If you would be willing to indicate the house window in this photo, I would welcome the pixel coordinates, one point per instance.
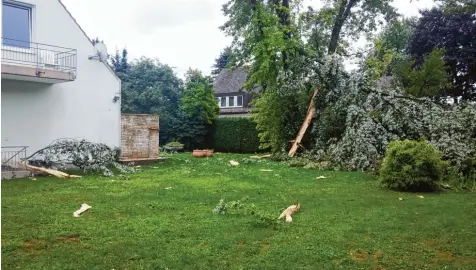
(239, 101)
(16, 24)
(230, 101)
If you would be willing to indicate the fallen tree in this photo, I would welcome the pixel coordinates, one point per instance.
(85, 155)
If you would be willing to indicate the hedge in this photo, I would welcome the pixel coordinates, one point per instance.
(233, 134)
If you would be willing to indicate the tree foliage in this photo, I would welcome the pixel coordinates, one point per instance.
(455, 32)
(198, 108)
(226, 59)
(357, 119)
(198, 99)
(280, 43)
(389, 48)
(430, 80)
(290, 53)
(150, 87)
(186, 109)
(87, 156)
(120, 63)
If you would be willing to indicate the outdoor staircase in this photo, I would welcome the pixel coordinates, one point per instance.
(13, 162)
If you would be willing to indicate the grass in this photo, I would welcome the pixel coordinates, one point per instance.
(346, 221)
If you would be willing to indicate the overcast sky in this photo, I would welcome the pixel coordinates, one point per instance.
(180, 33)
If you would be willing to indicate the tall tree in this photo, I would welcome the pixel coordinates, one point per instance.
(429, 80)
(198, 108)
(198, 99)
(389, 48)
(348, 19)
(455, 32)
(273, 38)
(96, 40)
(153, 88)
(120, 62)
(225, 60)
(457, 5)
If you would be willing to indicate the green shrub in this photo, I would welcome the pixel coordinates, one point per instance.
(463, 175)
(233, 134)
(411, 165)
(174, 144)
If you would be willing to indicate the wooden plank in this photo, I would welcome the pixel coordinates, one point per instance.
(310, 112)
(264, 156)
(52, 172)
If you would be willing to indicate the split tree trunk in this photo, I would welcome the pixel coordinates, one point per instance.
(310, 112)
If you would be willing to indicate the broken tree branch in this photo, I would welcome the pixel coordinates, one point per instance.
(52, 172)
(310, 112)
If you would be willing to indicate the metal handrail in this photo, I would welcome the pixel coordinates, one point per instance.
(39, 55)
(23, 149)
(13, 160)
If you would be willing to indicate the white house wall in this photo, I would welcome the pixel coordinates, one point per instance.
(34, 114)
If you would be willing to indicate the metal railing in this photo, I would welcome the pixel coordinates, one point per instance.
(39, 56)
(13, 158)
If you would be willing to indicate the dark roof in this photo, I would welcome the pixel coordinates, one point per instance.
(230, 80)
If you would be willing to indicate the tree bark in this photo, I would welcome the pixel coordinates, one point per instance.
(344, 12)
(310, 113)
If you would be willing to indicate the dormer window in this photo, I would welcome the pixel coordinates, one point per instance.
(230, 102)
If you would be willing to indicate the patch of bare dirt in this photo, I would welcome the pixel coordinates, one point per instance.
(431, 243)
(358, 255)
(362, 256)
(460, 261)
(34, 246)
(72, 239)
(454, 260)
(443, 256)
(240, 244)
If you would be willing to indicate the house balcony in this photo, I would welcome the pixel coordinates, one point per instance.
(30, 61)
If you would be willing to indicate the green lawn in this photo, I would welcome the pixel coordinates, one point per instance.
(346, 221)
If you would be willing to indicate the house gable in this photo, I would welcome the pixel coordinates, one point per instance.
(86, 36)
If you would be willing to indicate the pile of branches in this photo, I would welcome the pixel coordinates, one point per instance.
(87, 156)
(356, 118)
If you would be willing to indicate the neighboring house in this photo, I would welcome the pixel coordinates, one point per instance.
(51, 87)
(232, 98)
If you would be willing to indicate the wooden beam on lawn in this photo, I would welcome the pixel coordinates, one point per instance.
(310, 112)
(52, 172)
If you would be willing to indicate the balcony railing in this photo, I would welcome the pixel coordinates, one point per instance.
(13, 158)
(39, 56)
